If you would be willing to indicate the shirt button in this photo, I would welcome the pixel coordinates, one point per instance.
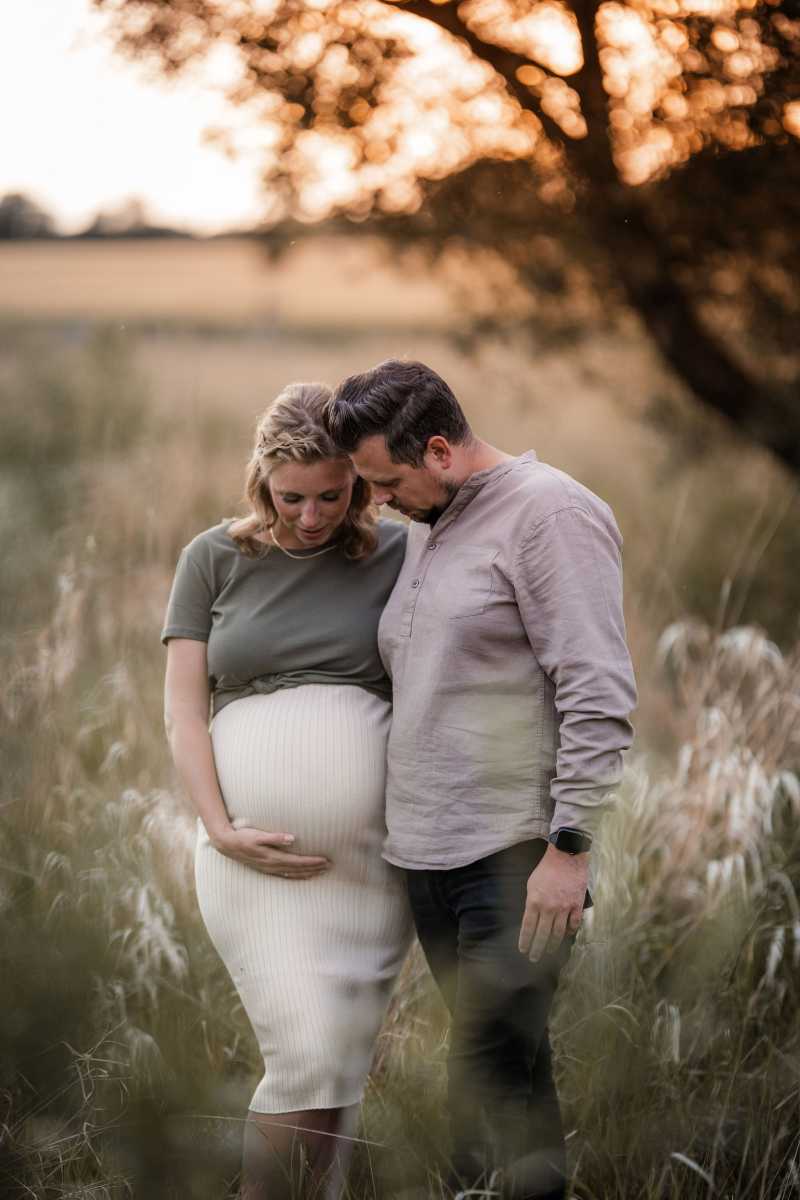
(432, 545)
(415, 583)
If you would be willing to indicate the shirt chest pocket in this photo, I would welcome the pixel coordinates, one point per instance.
(464, 586)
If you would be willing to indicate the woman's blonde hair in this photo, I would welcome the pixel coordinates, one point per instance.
(293, 429)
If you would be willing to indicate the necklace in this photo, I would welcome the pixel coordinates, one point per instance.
(300, 557)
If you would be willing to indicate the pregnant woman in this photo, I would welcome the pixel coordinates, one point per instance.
(272, 622)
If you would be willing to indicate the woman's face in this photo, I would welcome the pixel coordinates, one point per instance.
(311, 500)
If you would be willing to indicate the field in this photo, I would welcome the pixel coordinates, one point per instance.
(223, 282)
(131, 376)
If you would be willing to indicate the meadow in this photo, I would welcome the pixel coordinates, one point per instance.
(125, 1058)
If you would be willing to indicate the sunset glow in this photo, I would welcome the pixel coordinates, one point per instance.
(791, 118)
(102, 130)
(197, 159)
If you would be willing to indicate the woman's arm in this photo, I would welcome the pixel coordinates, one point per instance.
(186, 700)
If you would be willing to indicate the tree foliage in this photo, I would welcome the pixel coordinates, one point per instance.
(22, 217)
(646, 149)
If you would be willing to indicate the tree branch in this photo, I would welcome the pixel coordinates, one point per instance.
(618, 215)
(505, 62)
(594, 155)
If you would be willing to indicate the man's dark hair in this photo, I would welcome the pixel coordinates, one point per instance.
(406, 402)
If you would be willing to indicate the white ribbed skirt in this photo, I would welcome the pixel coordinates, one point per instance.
(313, 960)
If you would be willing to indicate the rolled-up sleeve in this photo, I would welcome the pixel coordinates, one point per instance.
(569, 591)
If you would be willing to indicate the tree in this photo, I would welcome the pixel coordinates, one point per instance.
(129, 220)
(21, 217)
(652, 143)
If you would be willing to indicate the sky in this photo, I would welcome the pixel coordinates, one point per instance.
(83, 129)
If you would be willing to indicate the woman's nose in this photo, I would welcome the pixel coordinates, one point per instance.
(309, 516)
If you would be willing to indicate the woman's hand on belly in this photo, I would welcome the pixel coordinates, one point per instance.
(268, 853)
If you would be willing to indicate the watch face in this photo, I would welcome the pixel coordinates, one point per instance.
(572, 841)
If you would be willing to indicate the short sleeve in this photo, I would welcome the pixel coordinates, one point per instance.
(189, 607)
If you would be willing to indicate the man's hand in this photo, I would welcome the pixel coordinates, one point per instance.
(556, 891)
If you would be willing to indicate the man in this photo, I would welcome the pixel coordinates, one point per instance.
(505, 641)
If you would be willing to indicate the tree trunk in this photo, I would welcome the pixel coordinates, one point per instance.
(645, 267)
(643, 262)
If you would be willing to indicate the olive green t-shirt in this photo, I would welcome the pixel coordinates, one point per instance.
(276, 622)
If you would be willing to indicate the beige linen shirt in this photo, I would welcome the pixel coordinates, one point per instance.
(505, 641)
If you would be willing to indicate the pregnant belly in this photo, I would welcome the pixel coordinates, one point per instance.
(310, 761)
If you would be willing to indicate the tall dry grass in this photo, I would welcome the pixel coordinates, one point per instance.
(678, 1028)
(126, 1058)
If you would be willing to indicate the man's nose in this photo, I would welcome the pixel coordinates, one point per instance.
(381, 495)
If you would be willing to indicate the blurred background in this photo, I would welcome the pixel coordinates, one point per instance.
(586, 217)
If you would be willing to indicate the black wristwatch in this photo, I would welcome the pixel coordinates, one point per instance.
(571, 841)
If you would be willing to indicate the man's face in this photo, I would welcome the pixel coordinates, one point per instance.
(417, 492)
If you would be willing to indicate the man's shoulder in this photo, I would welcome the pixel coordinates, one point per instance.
(538, 491)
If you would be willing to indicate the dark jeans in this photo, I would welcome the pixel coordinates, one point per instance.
(503, 1104)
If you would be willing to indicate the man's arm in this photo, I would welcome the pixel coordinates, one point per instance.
(568, 580)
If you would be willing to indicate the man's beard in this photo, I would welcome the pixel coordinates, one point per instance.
(431, 515)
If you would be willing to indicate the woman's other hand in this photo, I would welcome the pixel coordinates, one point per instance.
(268, 853)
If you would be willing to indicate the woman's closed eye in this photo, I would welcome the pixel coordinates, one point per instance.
(293, 498)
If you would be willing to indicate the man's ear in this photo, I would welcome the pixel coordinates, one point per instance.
(438, 453)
